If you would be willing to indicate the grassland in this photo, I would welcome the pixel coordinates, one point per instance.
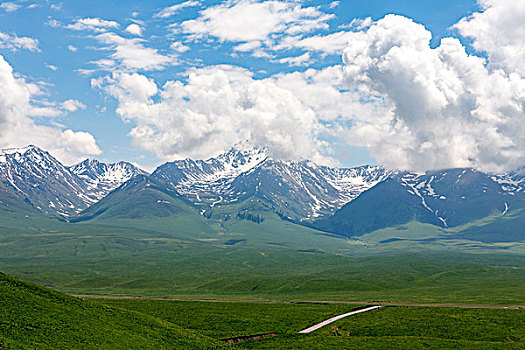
(389, 328)
(33, 317)
(242, 259)
(223, 320)
(247, 260)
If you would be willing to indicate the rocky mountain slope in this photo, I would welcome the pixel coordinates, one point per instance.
(298, 190)
(32, 179)
(103, 178)
(41, 182)
(445, 198)
(343, 201)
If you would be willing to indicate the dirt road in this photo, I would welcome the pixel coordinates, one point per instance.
(367, 302)
(333, 319)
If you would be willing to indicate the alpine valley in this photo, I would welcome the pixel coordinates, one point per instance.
(244, 223)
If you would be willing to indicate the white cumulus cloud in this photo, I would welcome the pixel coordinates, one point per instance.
(171, 10)
(498, 30)
(9, 6)
(132, 54)
(93, 24)
(217, 107)
(302, 60)
(446, 107)
(134, 29)
(18, 129)
(72, 105)
(14, 42)
(250, 20)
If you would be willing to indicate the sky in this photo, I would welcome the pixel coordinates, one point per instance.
(412, 85)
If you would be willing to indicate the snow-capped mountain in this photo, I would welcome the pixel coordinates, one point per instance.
(206, 181)
(298, 190)
(512, 183)
(445, 198)
(102, 178)
(339, 200)
(32, 176)
(451, 194)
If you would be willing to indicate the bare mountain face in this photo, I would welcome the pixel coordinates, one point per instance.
(32, 178)
(297, 190)
(102, 178)
(344, 201)
(445, 198)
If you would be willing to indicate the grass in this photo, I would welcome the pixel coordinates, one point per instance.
(223, 320)
(224, 272)
(35, 317)
(275, 259)
(390, 328)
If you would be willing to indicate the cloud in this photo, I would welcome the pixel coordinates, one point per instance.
(93, 24)
(72, 48)
(17, 128)
(171, 10)
(179, 47)
(249, 46)
(302, 60)
(333, 43)
(325, 92)
(9, 6)
(54, 23)
(134, 29)
(499, 30)
(72, 105)
(441, 107)
(56, 7)
(131, 54)
(217, 107)
(249, 20)
(14, 42)
(50, 66)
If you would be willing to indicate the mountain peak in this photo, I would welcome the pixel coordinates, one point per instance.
(244, 149)
(20, 150)
(29, 153)
(103, 178)
(245, 146)
(89, 161)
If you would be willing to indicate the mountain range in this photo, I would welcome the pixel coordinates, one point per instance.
(342, 201)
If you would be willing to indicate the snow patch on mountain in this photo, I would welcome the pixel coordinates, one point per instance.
(303, 187)
(42, 182)
(102, 178)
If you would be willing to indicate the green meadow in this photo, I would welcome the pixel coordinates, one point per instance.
(33, 317)
(36, 317)
(272, 260)
(251, 263)
(397, 327)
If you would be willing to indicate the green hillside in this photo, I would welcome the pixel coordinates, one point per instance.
(33, 317)
(274, 258)
(138, 198)
(393, 327)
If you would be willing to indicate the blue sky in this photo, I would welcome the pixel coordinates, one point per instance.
(79, 48)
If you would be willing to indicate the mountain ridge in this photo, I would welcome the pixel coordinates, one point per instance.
(103, 178)
(344, 201)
